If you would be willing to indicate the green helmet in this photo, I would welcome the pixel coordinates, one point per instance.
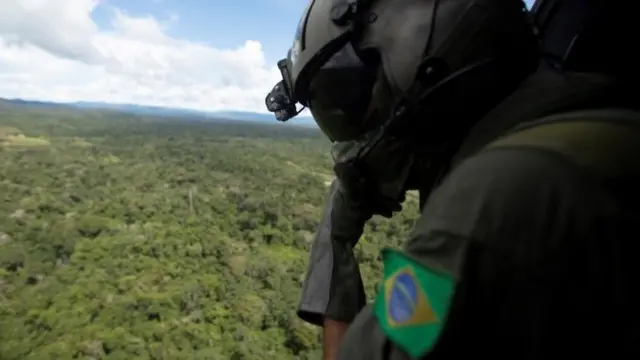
(389, 81)
(353, 61)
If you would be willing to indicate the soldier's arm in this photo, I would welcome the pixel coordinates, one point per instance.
(333, 287)
(485, 230)
(333, 292)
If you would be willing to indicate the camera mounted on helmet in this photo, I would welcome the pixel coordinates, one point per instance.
(281, 100)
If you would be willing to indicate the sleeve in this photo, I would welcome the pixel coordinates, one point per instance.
(504, 224)
(333, 286)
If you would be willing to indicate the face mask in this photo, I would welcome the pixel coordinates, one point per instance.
(378, 179)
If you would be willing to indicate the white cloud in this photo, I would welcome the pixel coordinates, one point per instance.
(53, 50)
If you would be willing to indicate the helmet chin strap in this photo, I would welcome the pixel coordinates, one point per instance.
(433, 77)
(353, 169)
(406, 106)
(430, 72)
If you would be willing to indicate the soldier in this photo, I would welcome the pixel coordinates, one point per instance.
(521, 251)
(353, 74)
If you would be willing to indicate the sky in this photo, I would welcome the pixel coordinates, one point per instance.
(199, 54)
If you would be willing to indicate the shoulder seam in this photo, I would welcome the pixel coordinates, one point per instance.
(551, 154)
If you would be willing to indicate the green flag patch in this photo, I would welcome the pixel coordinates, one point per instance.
(413, 303)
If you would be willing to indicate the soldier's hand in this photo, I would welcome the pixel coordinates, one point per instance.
(333, 333)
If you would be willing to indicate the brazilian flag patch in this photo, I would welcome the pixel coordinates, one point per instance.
(413, 302)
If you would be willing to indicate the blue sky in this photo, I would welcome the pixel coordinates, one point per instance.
(197, 54)
(221, 24)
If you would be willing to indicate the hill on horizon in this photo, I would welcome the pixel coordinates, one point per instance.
(161, 111)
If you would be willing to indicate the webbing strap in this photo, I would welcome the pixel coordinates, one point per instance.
(604, 141)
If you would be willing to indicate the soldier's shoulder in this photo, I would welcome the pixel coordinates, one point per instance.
(513, 169)
(503, 186)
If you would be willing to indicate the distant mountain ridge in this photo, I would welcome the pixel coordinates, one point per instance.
(162, 111)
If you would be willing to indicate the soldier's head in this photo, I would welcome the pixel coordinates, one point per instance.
(416, 73)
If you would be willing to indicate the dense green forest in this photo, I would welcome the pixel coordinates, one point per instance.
(126, 237)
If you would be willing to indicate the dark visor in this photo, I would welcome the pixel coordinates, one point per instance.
(340, 95)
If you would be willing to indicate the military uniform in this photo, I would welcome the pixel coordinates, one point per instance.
(375, 75)
(526, 250)
(333, 286)
(523, 251)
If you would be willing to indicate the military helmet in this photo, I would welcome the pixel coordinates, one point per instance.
(352, 61)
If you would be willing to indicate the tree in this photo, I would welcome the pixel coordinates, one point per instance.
(139, 238)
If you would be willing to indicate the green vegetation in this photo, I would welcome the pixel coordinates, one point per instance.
(125, 237)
